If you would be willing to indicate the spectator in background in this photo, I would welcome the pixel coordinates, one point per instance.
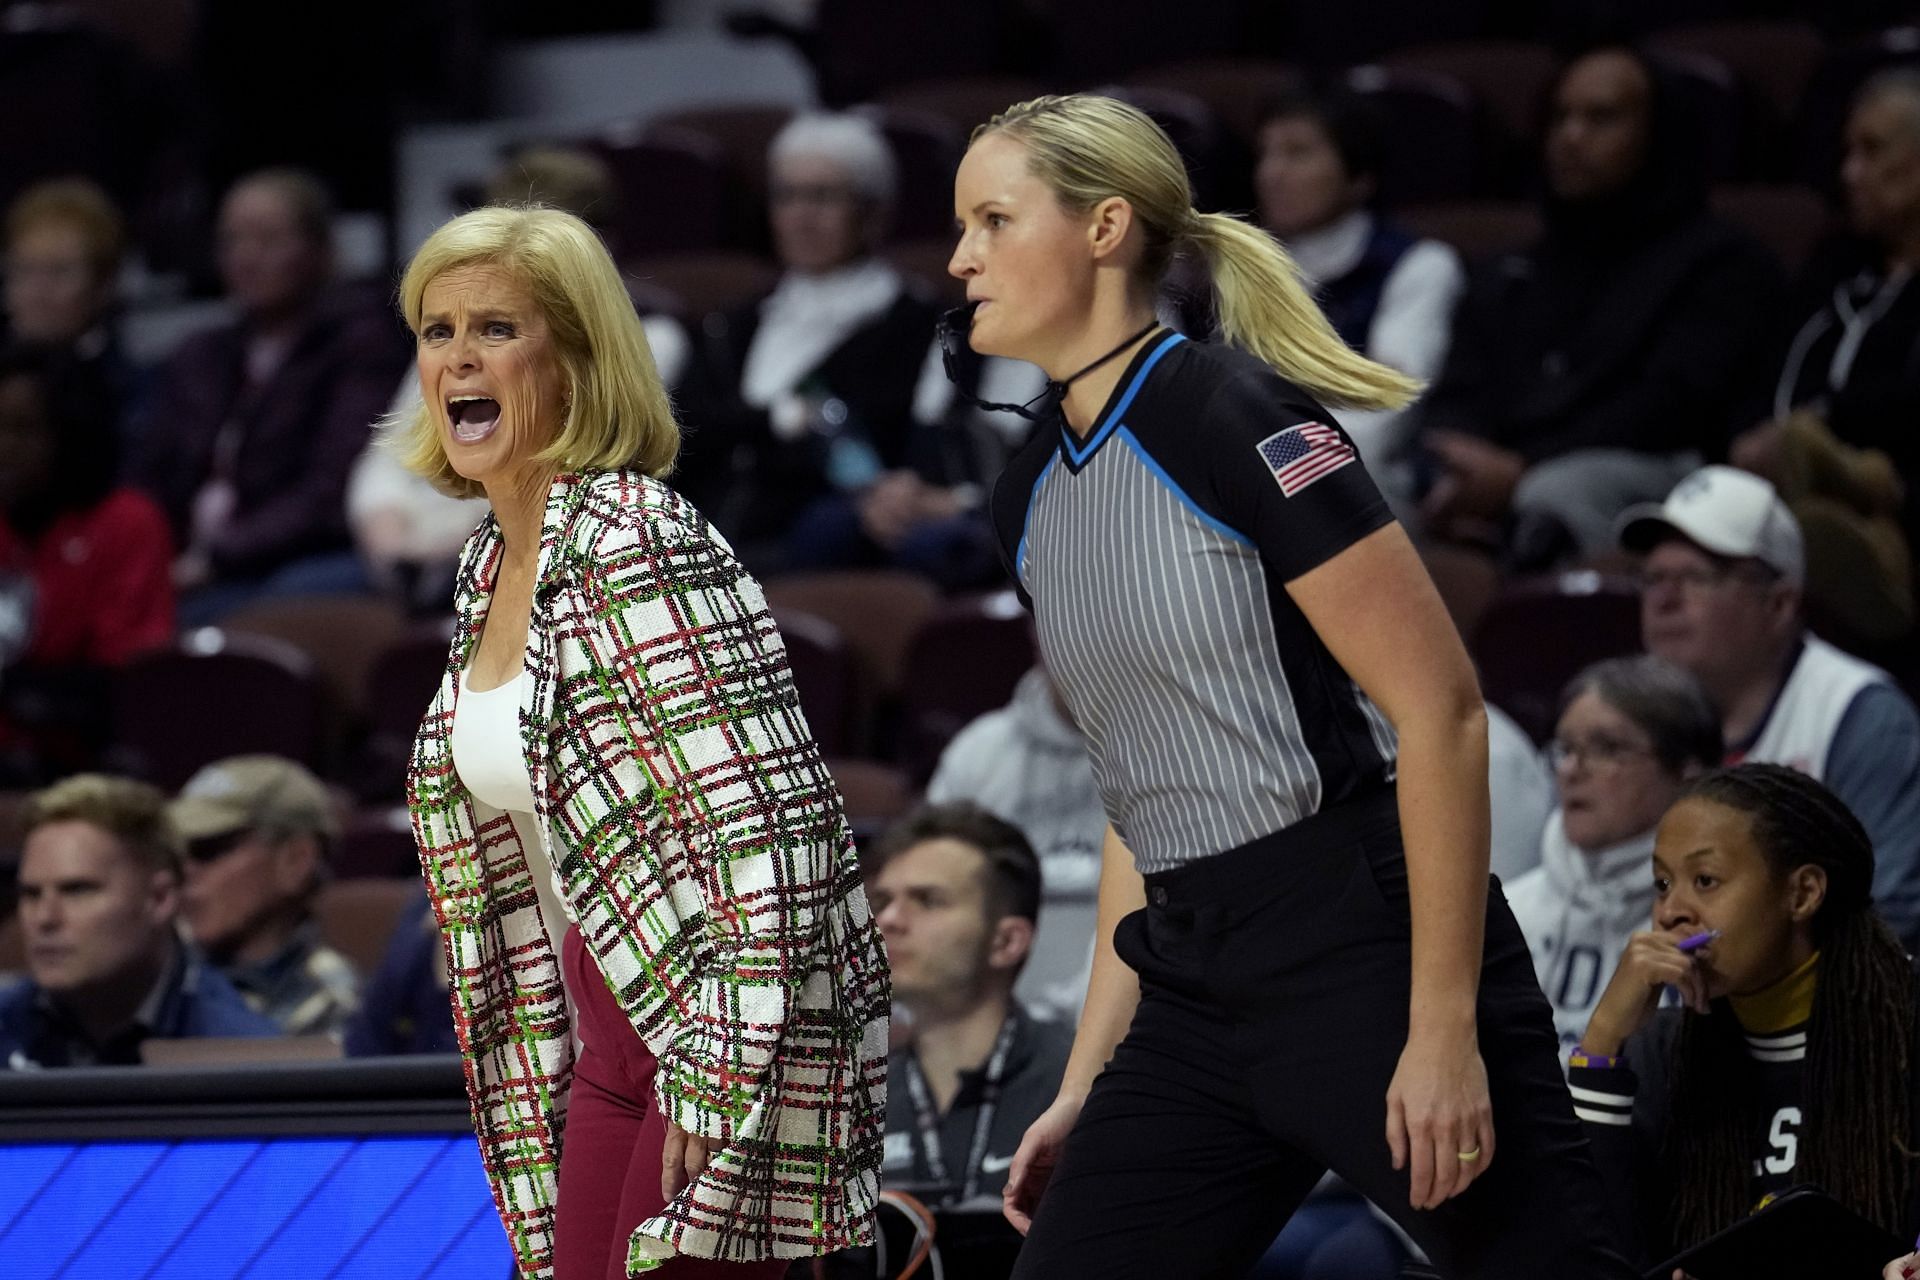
(1721, 586)
(1839, 442)
(1788, 1060)
(257, 830)
(1521, 791)
(1390, 294)
(1598, 367)
(85, 566)
(1027, 764)
(64, 243)
(408, 533)
(252, 427)
(99, 904)
(956, 892)
(801, 442)
(1632, 733)
(404, 1006)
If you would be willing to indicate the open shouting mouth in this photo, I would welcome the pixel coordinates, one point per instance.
(473, 417)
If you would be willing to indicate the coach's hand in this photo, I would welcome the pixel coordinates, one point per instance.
(1033, 1163)
(683, 1159)
(1439, 1117)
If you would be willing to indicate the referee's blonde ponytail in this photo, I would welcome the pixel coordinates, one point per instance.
(1088, 148)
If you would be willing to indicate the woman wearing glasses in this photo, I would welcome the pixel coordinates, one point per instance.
(1632, 733)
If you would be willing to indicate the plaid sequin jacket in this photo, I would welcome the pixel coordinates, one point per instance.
(708, 865)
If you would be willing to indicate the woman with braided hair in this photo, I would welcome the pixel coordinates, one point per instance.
(1790, 1061)
(1272, 693)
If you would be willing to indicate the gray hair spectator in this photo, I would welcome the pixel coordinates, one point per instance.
(852, 144)
(1631, 734)
(99, 908)
(803, 444)
(1721, 583)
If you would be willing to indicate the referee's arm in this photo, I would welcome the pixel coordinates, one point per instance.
(1377, 611)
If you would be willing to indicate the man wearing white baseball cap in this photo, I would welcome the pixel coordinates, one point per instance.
(1721, 591)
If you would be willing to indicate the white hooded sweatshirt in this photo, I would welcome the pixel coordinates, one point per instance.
(1577, 910)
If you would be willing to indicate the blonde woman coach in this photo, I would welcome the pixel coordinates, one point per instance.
(624, 823)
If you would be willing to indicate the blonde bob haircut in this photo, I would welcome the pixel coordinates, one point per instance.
(618, 415)
(1087, 148)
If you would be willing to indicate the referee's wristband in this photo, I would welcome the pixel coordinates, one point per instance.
(1606, 1062)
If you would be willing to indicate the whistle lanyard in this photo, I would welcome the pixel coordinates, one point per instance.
(927, 1119)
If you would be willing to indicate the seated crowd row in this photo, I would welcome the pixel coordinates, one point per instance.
(1746, 890)
(1637, 338)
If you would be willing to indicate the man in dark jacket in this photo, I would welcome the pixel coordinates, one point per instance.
(99, 908)
(252, 428)
(1599, 366)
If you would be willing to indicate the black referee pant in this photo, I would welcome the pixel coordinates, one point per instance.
(1273, 1011)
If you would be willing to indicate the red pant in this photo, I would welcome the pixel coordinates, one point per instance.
(610, 1160)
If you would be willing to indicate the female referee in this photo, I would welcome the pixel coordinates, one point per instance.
(1254, 652)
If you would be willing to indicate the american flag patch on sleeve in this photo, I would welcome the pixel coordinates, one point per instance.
(1300, 455)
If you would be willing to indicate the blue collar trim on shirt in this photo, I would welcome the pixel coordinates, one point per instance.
(1078, 452)
(1026, 521)
(1159, 472)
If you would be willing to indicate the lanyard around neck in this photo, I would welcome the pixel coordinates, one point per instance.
(927, 1118)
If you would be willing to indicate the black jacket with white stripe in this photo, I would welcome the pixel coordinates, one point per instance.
(1627, 1110)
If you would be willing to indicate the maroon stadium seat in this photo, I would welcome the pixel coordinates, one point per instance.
(1430, 133)
(826, 677)
(215, 694)
(673, 189)
(1538, 633)
(964, 662)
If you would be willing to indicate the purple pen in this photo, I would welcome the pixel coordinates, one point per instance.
(1698, 940)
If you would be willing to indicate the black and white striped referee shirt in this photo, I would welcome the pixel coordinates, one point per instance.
(1154, 554)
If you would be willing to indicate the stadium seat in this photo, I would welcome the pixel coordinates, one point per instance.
(1236, 90)
(214, 694)
(963, 662)
(1478, 229)
(1508, 82)
(926, 151)
(702, 283)
(1431, 149)
(341, 635)
(400, 687)
(357, 916)
(376, 843)
(1538, 633)
(647, 162)
(742, 134)
(874, 793)
(868, 46)
(878, 612)
(826, 677)
(966, 102)
(1787, 218)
